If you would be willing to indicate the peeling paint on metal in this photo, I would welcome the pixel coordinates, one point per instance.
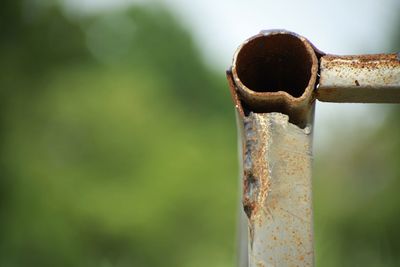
(277, 191)
(360, 79)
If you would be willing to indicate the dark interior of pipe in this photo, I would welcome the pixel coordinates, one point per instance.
(272, 63)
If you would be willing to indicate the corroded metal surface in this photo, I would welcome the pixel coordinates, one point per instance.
(360, 79)
(277, 190)
(276, 71)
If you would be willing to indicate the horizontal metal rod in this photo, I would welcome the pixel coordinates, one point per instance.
(360, 79)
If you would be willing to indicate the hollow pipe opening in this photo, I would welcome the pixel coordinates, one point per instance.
(276, 71)
(275, 63)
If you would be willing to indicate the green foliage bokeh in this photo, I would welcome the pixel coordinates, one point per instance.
(114, 147)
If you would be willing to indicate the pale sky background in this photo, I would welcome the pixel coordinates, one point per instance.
(333, 26)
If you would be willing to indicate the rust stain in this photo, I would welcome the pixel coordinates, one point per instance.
(234, 95)
(363, 61)
(255, 167)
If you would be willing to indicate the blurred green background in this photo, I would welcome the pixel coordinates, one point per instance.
(118, 148)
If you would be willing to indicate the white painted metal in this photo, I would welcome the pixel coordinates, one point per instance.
(277, 191)
(360, 79)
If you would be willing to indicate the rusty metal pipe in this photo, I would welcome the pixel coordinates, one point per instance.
(272, 80)
(360, 79)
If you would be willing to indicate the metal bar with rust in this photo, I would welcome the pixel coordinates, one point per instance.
(272, 80)
(360, 79)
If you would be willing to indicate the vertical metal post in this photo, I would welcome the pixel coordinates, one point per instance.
(277, 190)
(276, 142)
